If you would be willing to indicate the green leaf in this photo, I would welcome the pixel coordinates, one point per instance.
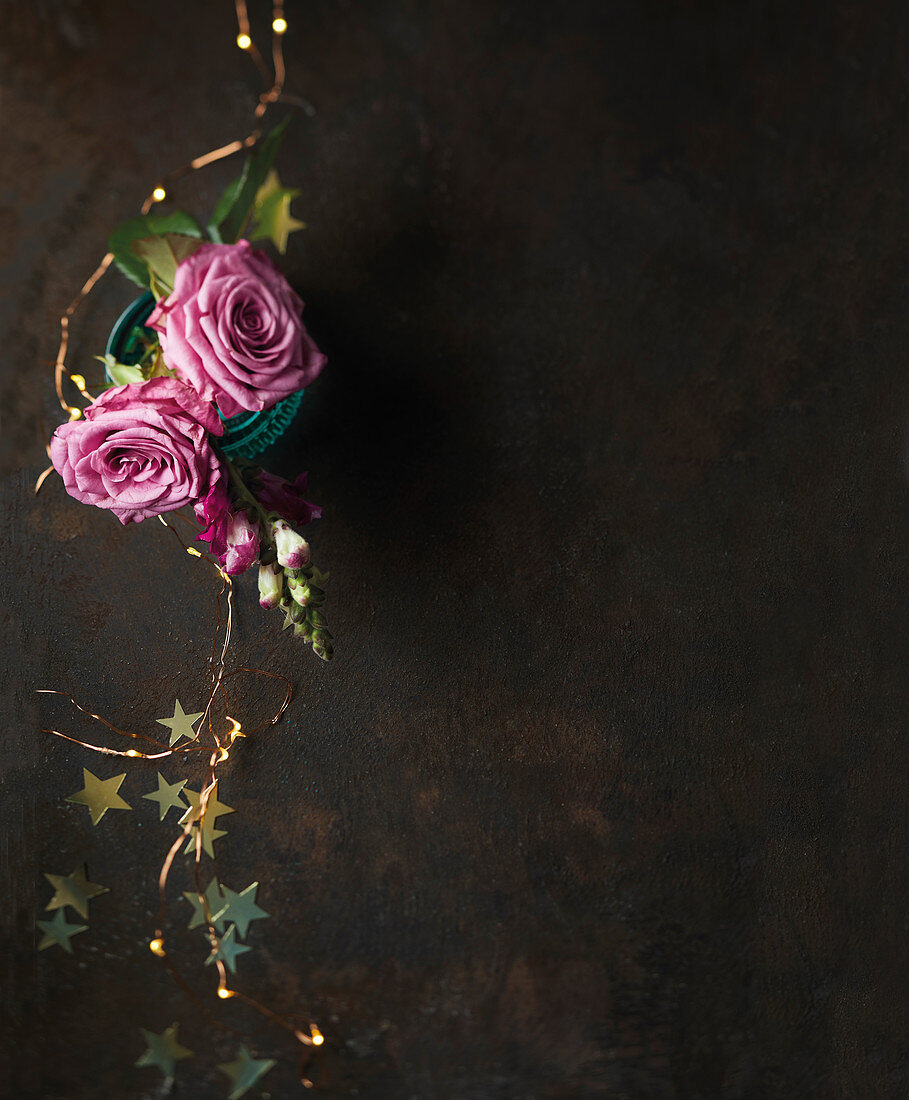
(235, 206)
(162, 256)
(158, 291)
(318, 578)
(158, 368)
(120, 374)
(147, 225)
(226, 201)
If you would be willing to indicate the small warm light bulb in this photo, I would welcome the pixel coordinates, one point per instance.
(279, 25)
(192, 550)
(157, 947)
(78, 381)
(224, 993)
(244, 41)
(159, 194)
(74, 413)
(317, 1037)
(223, 754)
(132, 752)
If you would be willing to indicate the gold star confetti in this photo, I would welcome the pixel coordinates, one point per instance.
(244, 1071)
(209, 835)
(167, 795)
(228, 950)
(215, 902)
(241, 909)
(100, 795)
(213, 808)
(163, 1050)
(273, 219)
(58, 931)
(181, 725)
(73, 890)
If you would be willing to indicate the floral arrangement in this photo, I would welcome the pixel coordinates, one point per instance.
(225, 337)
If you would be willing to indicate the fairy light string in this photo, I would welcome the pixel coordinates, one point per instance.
(307, 1035)
(273, 93)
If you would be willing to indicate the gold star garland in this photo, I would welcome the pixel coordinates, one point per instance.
(273, 220)
(218, 905)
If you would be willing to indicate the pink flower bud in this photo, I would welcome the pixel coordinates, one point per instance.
(242, 544)
(271, 585)
(293, 549)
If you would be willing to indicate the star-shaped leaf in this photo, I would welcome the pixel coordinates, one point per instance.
(167, 795)
(215, 903)
(228, 950)
(73, 890)
(241, 908)
(100, 795)
(244, 1071)
(181, 725)
(163, 1051)
(273, 219)
(59, 931)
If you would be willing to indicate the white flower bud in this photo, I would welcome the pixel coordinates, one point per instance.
(271, 584)
(293, 549)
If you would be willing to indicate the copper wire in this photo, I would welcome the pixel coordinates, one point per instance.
(274, 90)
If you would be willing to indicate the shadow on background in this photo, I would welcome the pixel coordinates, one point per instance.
(387, 431)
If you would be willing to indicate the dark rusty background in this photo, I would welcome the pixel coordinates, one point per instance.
(604, 793)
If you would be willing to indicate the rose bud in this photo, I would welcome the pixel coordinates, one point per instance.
(293, 549)
(271, 585)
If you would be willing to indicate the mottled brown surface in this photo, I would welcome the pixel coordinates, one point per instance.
(604, 793)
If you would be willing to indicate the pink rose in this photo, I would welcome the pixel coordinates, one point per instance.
(141, 450)
(232, 329)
